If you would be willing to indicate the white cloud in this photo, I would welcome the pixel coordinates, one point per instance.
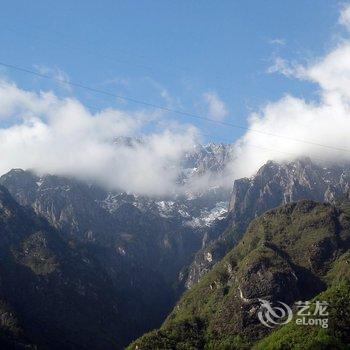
(14, 101)
(289, 69)
(280, 65)
(216, 107)
(277, 41)
(344, 18)
(62, 137)
(325, 121)
(61, 77)
(332, 72)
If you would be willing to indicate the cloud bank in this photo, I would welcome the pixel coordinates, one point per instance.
(324, 121)
(60, 136)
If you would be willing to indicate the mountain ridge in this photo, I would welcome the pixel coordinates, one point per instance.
(274, 184)
(52, 288)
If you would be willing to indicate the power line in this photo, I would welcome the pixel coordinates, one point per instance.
(147, 65)
(266, 149)
(164, 108)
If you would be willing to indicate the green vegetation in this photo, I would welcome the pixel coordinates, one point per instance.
(291, 253)
(36, 254)
(336, 336)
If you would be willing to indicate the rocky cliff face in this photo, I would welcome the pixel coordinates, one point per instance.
(139, 244)
(52, 293)
(140, 228)
(211, 157)
(274, 184)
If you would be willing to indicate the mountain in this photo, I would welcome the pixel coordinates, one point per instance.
(52, 293)
(163, 233)
(274, 184)
(291, 253)
(140, 244)
(137, 249)
(202, 161)
(147, 248)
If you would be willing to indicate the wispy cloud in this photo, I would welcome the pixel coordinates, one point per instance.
(287, 68)
(61, 77)
(344, 18)
(217, 109)
(277, 41)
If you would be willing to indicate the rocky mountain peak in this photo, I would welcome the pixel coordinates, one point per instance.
(274, 184)
(280, 183)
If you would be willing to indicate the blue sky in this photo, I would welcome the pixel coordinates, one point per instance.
(169, 53)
